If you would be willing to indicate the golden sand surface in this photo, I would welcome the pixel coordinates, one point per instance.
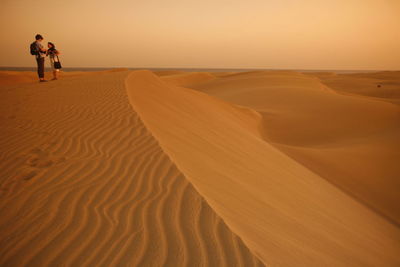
(174, 168)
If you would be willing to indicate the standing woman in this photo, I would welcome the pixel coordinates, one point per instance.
(53, 53)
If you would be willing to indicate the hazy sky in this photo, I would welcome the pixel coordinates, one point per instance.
(290, 34)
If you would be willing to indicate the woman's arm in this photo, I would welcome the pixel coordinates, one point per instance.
(41, 48)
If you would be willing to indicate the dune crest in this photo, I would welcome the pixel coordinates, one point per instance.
(383, 85)
(84, 183)
(348, 139)
(188, 78)
(286, 214)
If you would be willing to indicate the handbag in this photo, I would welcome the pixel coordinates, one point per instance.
(57, 64)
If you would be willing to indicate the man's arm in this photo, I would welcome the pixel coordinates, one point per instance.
(41, 48)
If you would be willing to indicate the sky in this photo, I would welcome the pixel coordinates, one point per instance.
(265, 34)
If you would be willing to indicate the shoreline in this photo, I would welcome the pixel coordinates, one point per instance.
(88, 69)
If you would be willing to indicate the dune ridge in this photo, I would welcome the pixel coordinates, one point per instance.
(285, 213)
(383, 85)
(187, 78)
(84, 183)
(349, 139)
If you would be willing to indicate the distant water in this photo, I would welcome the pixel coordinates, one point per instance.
(186, 69)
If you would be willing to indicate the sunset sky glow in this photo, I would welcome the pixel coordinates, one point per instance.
(273, 34)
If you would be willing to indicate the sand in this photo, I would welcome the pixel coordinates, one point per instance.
(85, 184)
(173, 168)
(345, 136)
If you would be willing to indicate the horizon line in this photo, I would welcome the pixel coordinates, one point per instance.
(202, 68)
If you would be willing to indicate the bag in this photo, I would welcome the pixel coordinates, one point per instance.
(57, 64)
(34, 49)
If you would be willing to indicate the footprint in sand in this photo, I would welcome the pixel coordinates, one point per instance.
(36, 161)
(39, 158)
(28, 174)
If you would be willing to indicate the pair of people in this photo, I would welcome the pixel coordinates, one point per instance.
(40, 53)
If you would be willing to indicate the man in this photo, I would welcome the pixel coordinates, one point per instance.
(40, 56)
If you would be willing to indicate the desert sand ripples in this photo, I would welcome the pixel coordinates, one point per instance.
(84, 183)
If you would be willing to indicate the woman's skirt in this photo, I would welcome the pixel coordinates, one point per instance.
(52, 60)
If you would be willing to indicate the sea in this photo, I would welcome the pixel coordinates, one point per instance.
(69, 69)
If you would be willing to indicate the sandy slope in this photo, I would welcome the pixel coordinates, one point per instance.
(287, 214)
(84, 183)
(349, 139)
(187, 79)
(384, 85)
(12, 78)
(305, 170)
(26, 77)
(16, 77)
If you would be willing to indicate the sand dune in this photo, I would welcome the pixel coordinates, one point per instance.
(84, 183)
(168, 72)
(285, 213)
(173, 168)
(16, 77)
(382, 85)
(188, 78)
(350, 140)
(9, 78)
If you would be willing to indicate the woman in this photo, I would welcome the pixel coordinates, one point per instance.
(53, 53)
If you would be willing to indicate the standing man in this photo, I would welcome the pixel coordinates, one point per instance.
(40, 56)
